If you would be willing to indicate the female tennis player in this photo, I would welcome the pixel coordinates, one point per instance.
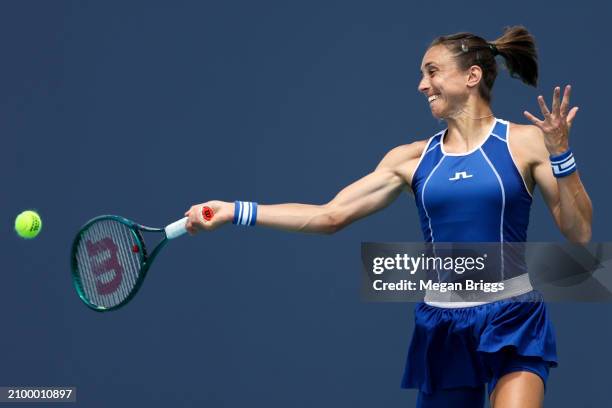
(472, 182)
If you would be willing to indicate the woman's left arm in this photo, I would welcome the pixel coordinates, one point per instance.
(564, 193)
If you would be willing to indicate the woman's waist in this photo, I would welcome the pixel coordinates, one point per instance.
(469, 292)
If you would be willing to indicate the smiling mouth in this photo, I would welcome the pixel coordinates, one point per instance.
(432, 98)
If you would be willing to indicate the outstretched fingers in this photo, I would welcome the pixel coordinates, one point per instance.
(571, 115)
(555, 101)
(566, 100)
(532, 119)
(543, 107)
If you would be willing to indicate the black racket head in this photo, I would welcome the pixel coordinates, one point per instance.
(108, 262)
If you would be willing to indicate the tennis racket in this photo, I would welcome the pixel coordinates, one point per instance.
(109, 259)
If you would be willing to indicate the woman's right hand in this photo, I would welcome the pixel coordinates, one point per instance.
(223, 212)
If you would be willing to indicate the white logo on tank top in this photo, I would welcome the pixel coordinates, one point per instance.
(460, 175)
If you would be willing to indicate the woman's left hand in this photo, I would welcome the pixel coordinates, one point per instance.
(556, 124)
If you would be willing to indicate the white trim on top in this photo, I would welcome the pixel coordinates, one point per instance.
(512, 157)
(423, 199)
(499, 137)
(426, 150)
(472, 150)
(423, 195)
(501, 222)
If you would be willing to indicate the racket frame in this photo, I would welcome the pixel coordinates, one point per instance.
(145, 259)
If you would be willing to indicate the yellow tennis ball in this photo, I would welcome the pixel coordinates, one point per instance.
(28, 224)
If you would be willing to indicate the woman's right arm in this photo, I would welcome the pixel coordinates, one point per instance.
(358, 200)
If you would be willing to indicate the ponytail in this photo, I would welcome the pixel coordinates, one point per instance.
(517, 47)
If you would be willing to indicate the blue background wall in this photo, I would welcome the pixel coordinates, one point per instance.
(145, 108)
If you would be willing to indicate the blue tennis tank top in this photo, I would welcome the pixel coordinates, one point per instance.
(477, 196)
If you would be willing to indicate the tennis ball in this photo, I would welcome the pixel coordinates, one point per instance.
(28, 224)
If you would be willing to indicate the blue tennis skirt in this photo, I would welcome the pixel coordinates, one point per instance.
(454, 347)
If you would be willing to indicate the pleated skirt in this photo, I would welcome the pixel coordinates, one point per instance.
(454, 347)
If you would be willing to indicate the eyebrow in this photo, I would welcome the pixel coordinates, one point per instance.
(428, 65)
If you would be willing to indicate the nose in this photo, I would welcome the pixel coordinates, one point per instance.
(423, 85)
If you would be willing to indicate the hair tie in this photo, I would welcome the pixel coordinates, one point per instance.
(494, 49)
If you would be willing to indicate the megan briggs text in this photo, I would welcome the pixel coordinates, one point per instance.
(442, 287)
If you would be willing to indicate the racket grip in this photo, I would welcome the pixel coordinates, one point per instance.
(176, 229)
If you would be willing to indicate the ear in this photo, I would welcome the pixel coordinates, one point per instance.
(474, 76)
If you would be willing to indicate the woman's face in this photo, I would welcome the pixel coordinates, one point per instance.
(443, 83)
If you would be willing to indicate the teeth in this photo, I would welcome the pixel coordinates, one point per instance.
(433, 98)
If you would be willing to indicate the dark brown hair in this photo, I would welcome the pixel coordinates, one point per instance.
(516, 46)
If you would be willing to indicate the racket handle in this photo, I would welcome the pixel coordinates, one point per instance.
(176, 229)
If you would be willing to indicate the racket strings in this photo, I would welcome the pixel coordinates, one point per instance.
(108, 268)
